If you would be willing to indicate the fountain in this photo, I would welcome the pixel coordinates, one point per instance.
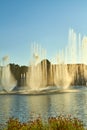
(69, 69)
(37, 71)
(41, 73)
(7, 81)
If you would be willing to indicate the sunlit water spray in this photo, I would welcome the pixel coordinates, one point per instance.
(75, 53)
(7, 80)
(70, 67)
(65, 71)
(37, 71)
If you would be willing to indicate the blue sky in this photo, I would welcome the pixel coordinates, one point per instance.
(46, 22)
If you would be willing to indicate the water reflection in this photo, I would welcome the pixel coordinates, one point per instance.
(26, 107)
(39, 105)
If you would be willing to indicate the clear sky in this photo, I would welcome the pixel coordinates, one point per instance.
(46, 22)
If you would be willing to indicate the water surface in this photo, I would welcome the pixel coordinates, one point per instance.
(26, 107)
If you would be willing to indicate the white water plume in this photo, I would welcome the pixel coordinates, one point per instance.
(7, 81)
(66, 70)
(36, 75)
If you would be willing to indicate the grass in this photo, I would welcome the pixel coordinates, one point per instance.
(53, 123)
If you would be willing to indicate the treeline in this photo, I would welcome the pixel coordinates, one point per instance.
(78, 72)
(17, 71)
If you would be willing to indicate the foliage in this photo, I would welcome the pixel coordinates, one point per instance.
(53, 123)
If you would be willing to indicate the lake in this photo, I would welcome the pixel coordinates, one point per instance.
(27, 107)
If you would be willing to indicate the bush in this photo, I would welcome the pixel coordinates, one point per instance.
(53, 123)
